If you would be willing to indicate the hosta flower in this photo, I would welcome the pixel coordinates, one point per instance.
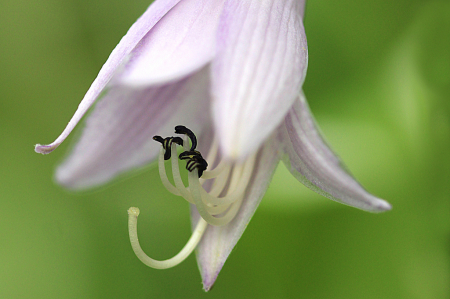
(231, 71)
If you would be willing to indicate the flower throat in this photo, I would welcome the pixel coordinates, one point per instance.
(217, 206)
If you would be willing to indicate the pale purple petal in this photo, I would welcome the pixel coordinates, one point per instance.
(182, 42)
(218, 242)
(258, 71)
(314, 164)
(118, 133)
(301, 8)
(118, 56)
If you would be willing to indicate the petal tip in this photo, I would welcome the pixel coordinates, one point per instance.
(70, 179)
(210, 272)
(209, 281)
(377, 205)
(44, 149)
(383, 206)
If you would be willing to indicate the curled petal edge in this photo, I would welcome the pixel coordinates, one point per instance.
(314, 164)
(117, 133)
(118, 56)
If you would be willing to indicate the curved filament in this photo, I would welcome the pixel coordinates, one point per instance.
(196, 236)
(162, 174)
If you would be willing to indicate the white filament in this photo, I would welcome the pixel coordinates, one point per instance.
(162, 174)
(195, 191)
(220, 199)
(177, 176)
(220, 181)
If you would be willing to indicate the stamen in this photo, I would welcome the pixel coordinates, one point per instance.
(209, 174)
(177, 176)
(239, 182)
(194, 187)
(220, 181)
(167, 143)
(194, 160)
(186, 142)
(162, 174)
(196, 236)
(217, 210)
(189, 133)
(209, 204)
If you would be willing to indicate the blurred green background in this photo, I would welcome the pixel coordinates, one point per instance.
(379, 84)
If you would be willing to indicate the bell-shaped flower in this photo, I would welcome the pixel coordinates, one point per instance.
(231, 71)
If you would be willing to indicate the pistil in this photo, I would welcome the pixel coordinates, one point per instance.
(196, 236)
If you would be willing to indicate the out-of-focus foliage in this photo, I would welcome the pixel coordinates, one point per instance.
(378, 83)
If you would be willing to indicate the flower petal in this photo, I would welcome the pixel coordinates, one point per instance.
(139, 29)
(258, 71)
(218, 241)
(182, 42)
(315, 165)
(118, 133)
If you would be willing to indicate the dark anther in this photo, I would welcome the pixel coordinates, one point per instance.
(189, 133)
(193, 157)
(194, 160)
(167, 144)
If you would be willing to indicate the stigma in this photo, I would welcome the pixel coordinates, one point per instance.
(217, 193)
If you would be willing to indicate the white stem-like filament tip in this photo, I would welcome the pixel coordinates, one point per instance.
(196, 236)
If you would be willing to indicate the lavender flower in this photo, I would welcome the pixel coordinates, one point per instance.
(231, 71)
